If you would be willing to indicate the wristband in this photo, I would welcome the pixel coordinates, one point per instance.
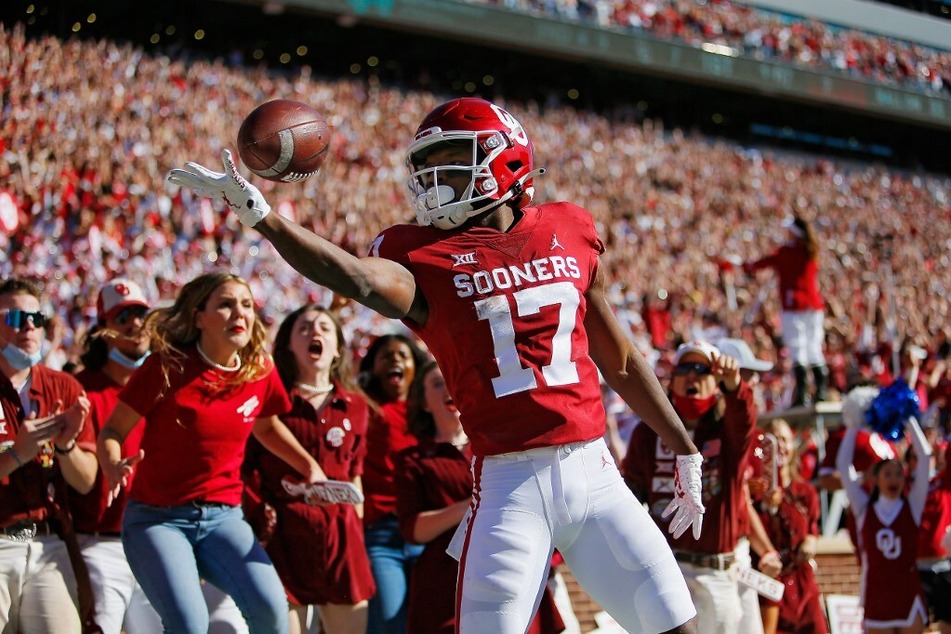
(68, 449)
(768, 553)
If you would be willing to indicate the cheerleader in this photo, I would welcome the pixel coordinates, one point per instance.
(888, 523)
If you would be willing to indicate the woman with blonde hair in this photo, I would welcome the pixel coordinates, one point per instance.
(209, 385)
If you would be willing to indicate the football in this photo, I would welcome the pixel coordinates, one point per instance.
(283, 141)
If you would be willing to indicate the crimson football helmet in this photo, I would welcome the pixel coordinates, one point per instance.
(501, 167)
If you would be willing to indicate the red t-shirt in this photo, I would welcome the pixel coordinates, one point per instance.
(798, 277)
(725, 445)
(91, 512)
(24, 493)
(195, 434)
(797, 517)
(386, 437)
(506, 324)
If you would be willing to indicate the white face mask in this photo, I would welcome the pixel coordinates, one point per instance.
(21, 359)
(127, 362)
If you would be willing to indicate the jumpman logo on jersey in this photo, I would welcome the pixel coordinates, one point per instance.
(555, 243)
(605, 463)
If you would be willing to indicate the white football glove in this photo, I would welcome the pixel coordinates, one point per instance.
(230, 188)
(687, 500)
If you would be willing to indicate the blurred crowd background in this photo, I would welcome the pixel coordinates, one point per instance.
(90, 122)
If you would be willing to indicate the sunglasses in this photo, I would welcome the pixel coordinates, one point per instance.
(697, 368)
(129, 313)
(16, 318)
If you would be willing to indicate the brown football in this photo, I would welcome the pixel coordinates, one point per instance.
(284, 141)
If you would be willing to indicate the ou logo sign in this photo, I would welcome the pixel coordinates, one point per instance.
(515, 128)
(888, 543)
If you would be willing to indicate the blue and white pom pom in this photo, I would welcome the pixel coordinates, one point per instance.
(891, 408)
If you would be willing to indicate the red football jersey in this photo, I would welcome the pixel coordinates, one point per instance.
(195, 435)
(890, 583)
(506, 314)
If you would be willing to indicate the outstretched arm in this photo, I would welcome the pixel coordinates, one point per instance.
(380, 284)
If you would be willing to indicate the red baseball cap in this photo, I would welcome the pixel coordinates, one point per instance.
(116, 295)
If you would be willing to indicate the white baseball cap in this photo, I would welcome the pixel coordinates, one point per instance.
(740, 350)
(704, 349)
(116, 295)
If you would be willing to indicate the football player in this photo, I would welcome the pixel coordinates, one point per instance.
(510, 298)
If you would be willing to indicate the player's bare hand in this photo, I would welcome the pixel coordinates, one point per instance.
(118, 474)
(726, 369)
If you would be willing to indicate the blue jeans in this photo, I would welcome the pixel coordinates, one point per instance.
(172, 548)
(391, 560)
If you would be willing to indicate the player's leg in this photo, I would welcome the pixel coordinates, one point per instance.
(618, 554)
(507, 550)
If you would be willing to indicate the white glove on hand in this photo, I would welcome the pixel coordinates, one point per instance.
(230, 188)
(687, 500)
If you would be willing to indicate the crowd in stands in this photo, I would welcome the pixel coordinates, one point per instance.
(762, 34)
(83, 157)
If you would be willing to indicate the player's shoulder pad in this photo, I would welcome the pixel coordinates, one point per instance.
(397, 242)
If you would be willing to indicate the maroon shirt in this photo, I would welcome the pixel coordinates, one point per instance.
(318, 551)
(431, 476)
(91, 511)
(386, 437)
(24, 494)
(648, 467)
(800, 609)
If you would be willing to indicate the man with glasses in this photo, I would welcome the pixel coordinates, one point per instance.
(112, 350)
(717, 409)
(44, 445)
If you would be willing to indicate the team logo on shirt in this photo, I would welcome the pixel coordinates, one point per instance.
(248, 408)
(464, 259)
(888, 543)
(335, 437)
